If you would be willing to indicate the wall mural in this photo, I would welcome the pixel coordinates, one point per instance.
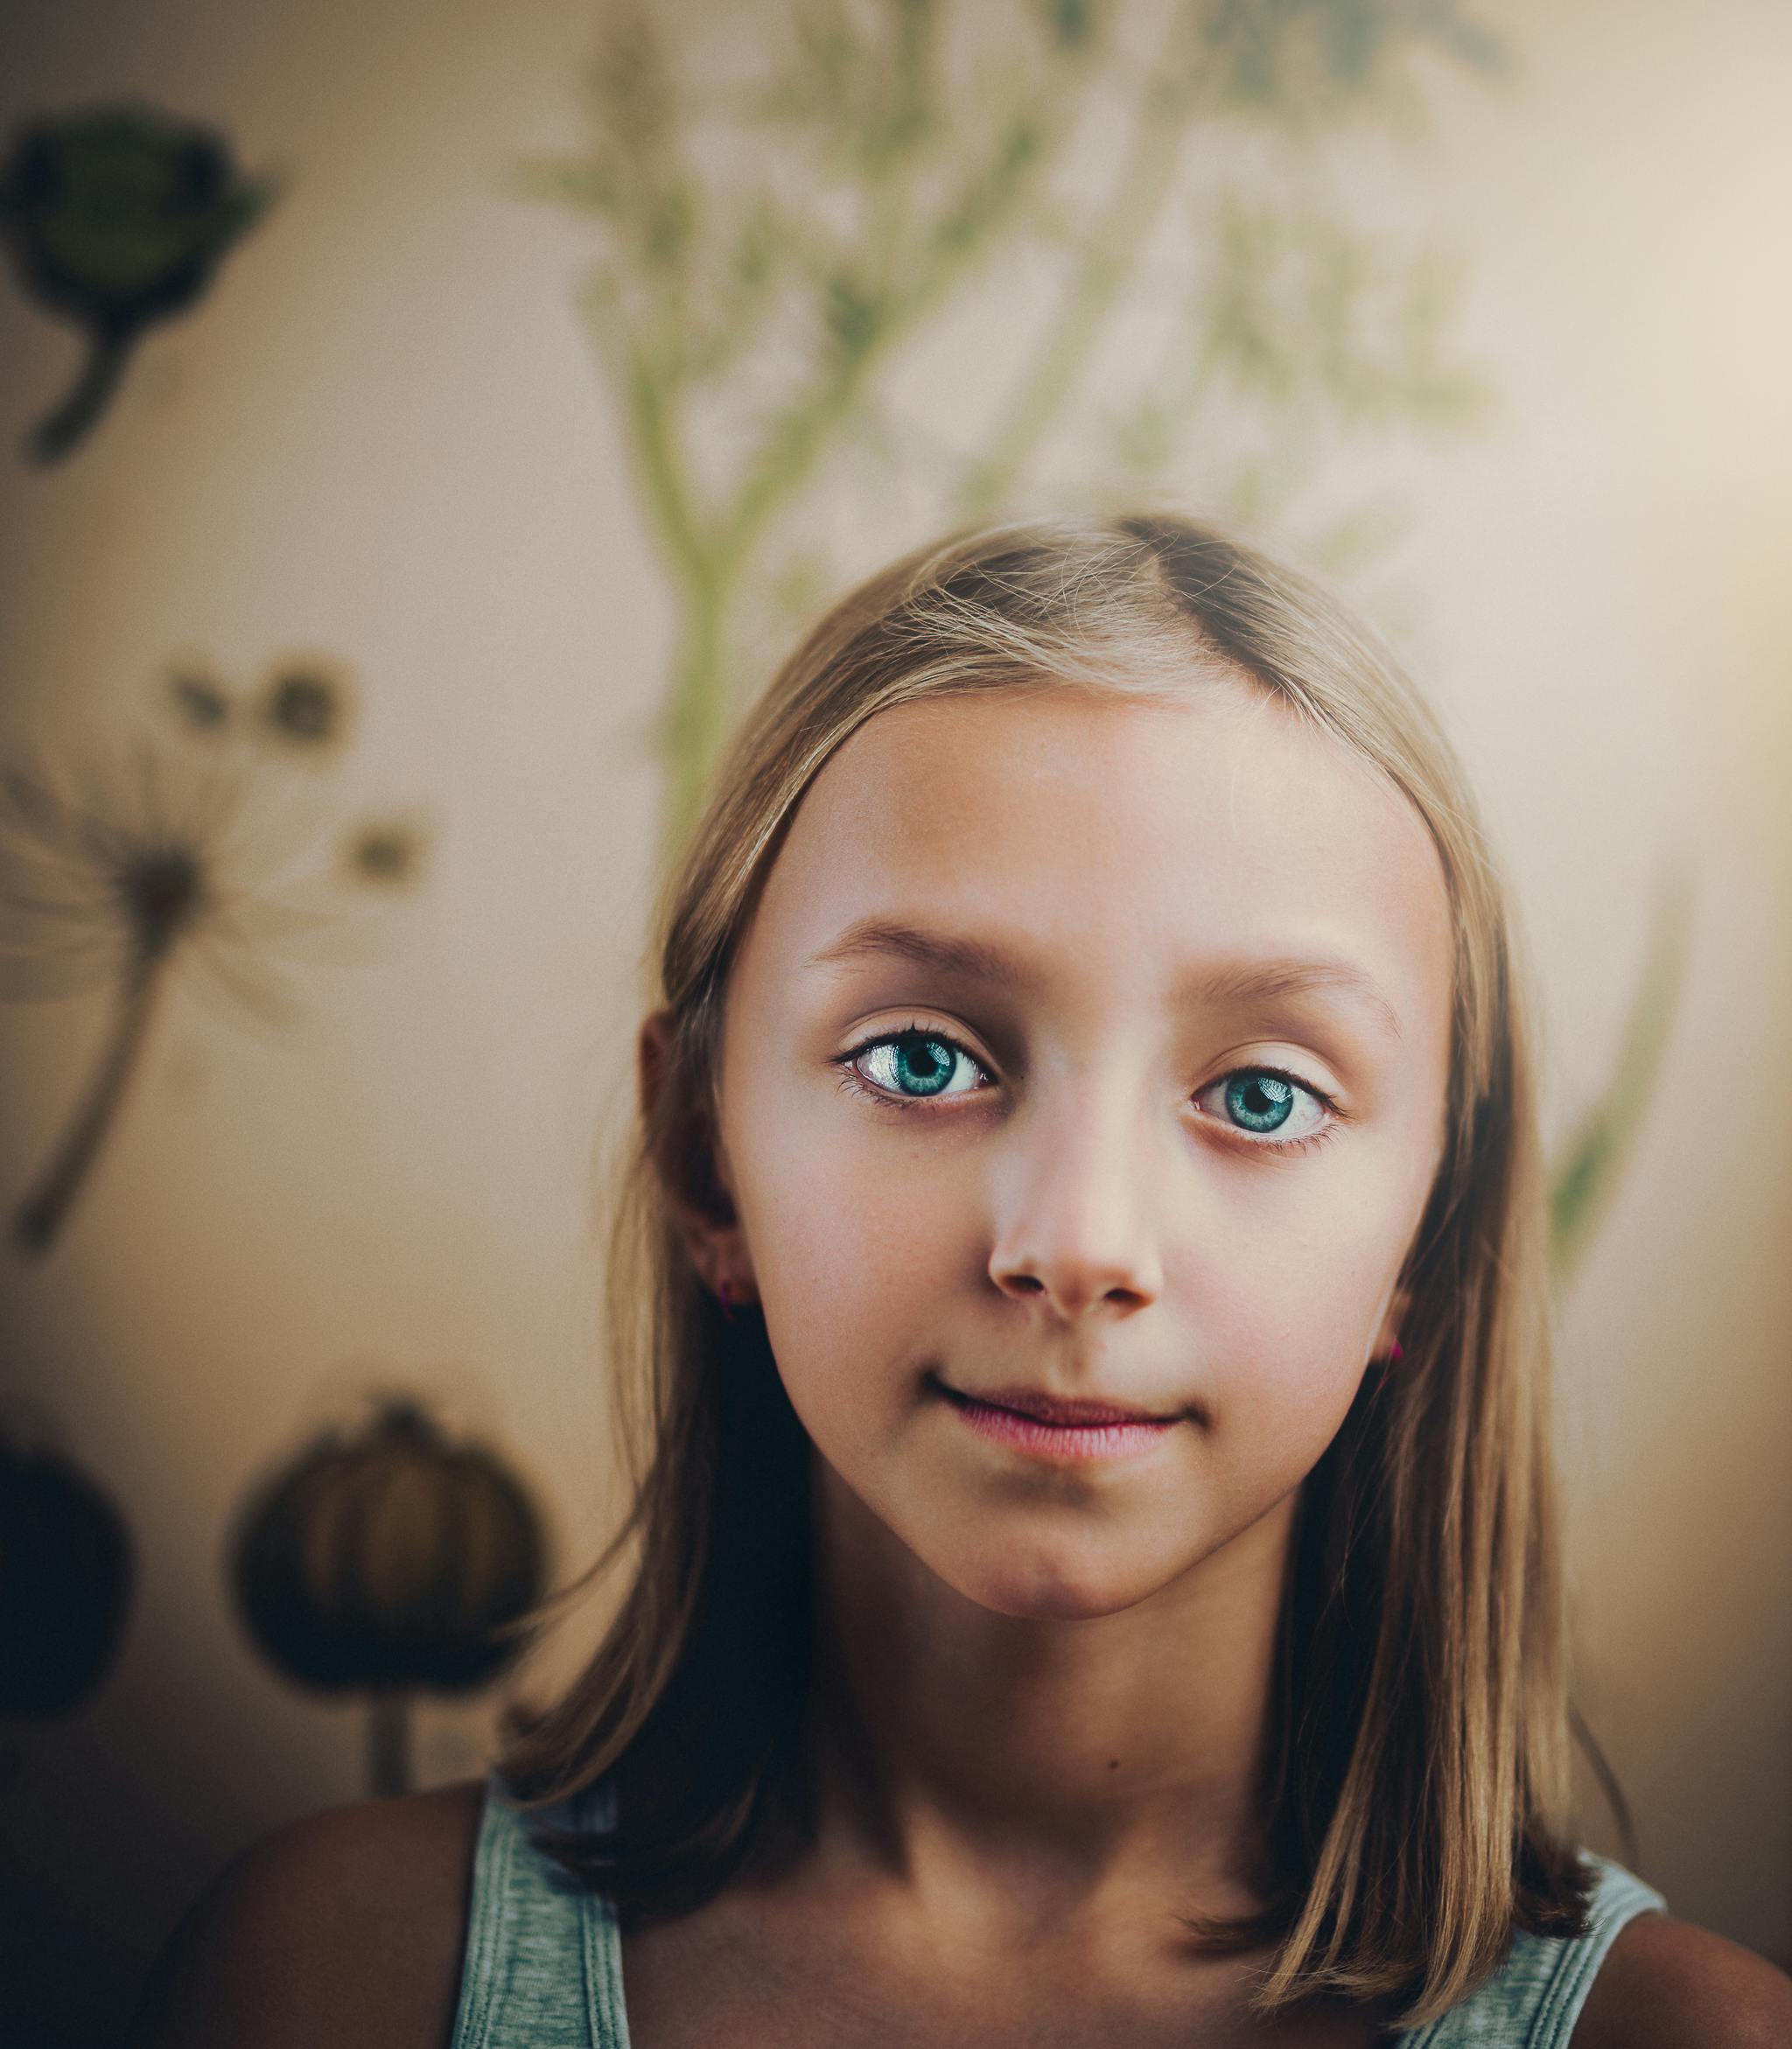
(764, 257)
(123, 870)
(388, 1560)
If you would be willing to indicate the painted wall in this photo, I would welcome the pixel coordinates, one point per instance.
(383, 435)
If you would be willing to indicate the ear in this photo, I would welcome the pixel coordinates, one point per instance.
(692, 1165)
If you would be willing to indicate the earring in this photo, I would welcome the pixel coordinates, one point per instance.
(733, 1301)
(1380, 1367)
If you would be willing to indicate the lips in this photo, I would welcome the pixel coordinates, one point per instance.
(1055, 1409)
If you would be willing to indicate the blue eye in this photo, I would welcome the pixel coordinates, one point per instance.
(1260, 1102)
(907, 1067)
(1263, 1100)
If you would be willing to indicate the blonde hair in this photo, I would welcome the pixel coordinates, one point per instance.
(1416, 1801)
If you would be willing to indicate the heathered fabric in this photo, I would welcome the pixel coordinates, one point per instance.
(544, 1966)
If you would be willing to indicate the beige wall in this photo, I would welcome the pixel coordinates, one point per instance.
(382, 435)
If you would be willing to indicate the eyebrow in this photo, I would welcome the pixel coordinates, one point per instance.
(1212, 983)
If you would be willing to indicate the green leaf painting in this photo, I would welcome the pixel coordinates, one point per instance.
(1587, 1170)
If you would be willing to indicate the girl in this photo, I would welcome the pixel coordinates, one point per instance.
(1093, 1565)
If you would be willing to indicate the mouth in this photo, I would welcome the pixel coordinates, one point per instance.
(1055, 1408)
(1053, 1427)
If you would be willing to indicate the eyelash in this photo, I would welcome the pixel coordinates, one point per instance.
(855, 1084)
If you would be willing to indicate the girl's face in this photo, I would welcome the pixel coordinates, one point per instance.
(1087, 1051)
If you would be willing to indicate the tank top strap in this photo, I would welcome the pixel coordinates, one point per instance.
(543, 1962)
(1534, 1999)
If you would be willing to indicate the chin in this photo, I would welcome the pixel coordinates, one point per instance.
(1054, 1590)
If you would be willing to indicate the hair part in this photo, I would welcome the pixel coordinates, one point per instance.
(1416, 1795)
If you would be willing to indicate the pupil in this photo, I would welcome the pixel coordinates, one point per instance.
(1260, 1102)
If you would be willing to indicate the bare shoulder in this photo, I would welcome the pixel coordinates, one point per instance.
(347, 1928)
(1667, 1984)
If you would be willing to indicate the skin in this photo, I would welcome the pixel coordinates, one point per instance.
(1077, 1212)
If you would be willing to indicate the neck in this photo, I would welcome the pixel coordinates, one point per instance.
(1069, 1761)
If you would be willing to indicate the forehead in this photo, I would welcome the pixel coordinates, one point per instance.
(1119, 844)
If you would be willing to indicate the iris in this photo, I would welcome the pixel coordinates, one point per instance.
(1260, 1102)
(925, 1065)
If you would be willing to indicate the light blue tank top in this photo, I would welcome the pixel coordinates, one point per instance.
(544, 1966)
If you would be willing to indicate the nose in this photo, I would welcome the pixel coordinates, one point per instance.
(1077, 1225)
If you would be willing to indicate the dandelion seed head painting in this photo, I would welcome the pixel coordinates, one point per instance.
(135, 864)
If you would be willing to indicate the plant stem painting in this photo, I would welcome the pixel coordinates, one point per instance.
(771, 244)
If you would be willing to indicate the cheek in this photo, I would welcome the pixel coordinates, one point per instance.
(1284, 1354)
(856, 1241)
(1288, 1290)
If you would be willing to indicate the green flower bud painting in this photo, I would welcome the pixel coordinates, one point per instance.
(116, 218)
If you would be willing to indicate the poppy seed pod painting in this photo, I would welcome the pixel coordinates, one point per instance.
(389, 1560)
(67, 1571)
